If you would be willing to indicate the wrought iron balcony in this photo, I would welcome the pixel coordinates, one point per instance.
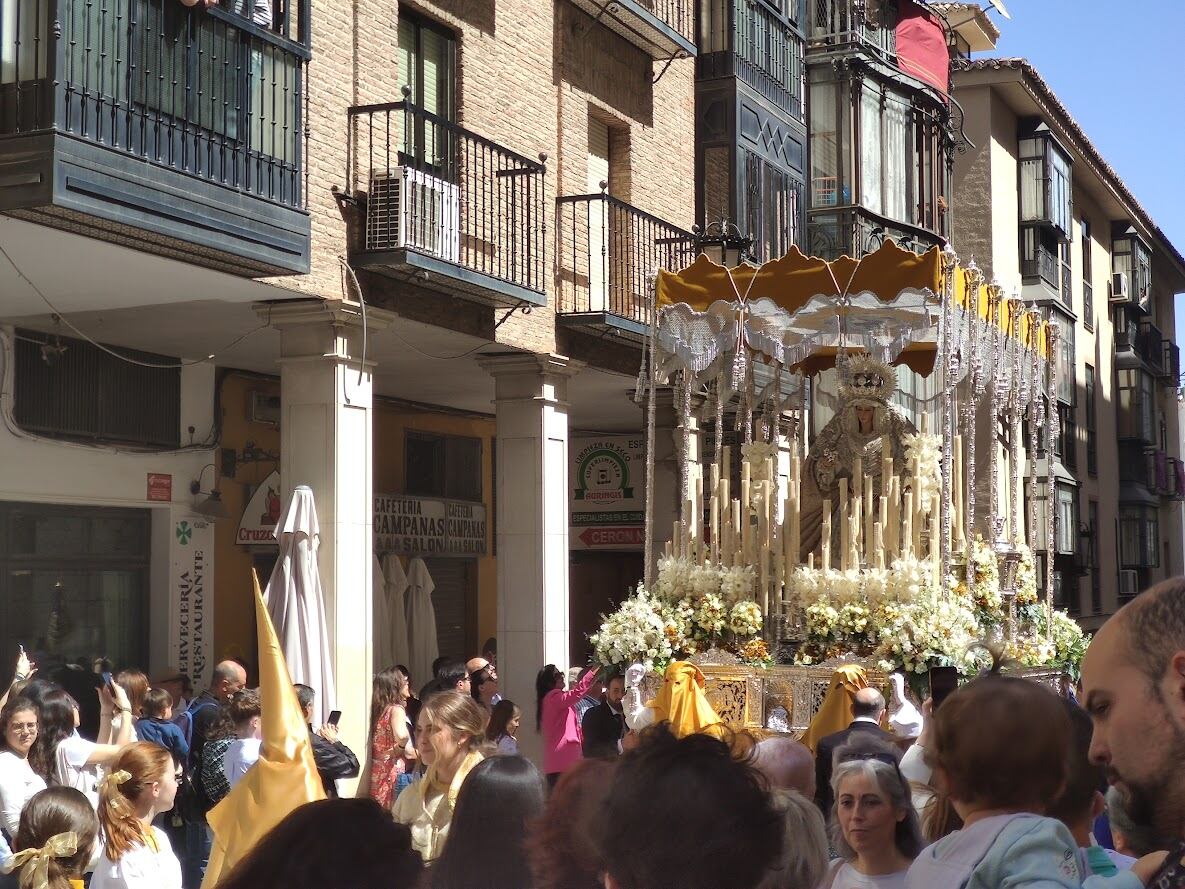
(607, 254)
(841, 24)
(181, 125)
(1043, 265)
(855, 231)
(437, 197)
(1171, 364)
(663, 28)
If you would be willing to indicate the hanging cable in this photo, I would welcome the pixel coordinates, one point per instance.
(155, 365)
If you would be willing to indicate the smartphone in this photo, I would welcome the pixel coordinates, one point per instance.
(109, 681)
(334, 716)
(943, 680)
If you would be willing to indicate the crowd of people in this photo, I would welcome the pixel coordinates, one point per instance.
(1003, 784)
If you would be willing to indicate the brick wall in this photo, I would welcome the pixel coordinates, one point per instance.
(530, 72)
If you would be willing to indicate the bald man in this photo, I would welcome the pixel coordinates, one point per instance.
(868, 706)
(1133, 684)
(786, 764)
(228, 678)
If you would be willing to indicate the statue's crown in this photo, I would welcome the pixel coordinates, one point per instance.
(862, 376)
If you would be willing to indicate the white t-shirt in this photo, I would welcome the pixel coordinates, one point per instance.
(18, 782)
(71, 769)
(140, 868)
(240, 756)
(847, 877)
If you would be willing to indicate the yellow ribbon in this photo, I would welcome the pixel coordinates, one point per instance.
(112, 782)
(61, 845)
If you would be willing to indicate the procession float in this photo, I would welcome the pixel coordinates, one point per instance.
(829, 515)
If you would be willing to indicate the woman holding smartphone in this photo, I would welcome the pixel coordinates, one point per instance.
(66, 759)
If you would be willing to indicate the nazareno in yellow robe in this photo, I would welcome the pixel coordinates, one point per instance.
(836, 713)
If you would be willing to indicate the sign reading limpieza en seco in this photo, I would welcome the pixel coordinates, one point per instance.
(419, 526)
(607, 504)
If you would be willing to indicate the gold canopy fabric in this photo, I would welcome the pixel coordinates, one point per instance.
(794, 279)
(835, 714)
(285, 776)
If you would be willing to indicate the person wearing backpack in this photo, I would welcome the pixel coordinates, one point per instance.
(195, 723)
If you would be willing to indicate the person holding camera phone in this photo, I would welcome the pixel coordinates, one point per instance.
(334, 759)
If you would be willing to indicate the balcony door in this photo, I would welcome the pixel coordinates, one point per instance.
(598, 217)
(427, 66)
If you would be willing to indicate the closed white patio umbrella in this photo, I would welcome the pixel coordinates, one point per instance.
(421, 622)
(390, 613)
(296, 602)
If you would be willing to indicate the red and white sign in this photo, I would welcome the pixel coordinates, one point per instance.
(258, 525)
(613, 537)
(160, 487)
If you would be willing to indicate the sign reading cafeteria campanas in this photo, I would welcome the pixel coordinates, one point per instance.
(607, 473)
(419, 526)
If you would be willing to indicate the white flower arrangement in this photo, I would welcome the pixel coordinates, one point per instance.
(745, 619)
(736, 583)
(983, 576)
(703, 580)
(927, 450)
(1026, 576)
(711, 616)
(673, 580)
(635, 632)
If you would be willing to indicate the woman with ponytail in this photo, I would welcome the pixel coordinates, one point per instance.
(56, 839)
(136, 855)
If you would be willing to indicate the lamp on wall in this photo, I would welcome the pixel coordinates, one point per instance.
(212, 506)
(723, 243)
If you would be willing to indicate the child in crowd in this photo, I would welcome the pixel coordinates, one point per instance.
(503, 727)
(155, 725)
(999, 750)
(136, 855)
(56, 839)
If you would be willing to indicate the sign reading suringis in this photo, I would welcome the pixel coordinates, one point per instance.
(420, 526)
(608, 477)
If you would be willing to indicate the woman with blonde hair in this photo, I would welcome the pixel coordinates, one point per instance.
(136, 855)
(450, 730)
(55, 840)
(135, 685)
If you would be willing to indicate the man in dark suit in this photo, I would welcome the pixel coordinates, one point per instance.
(867, 708)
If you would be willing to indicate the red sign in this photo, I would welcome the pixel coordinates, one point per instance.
(613, 536)
(160, 487)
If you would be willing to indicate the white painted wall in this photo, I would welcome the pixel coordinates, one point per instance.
(41, 470)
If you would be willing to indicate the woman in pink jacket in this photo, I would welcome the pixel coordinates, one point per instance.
(556, 720)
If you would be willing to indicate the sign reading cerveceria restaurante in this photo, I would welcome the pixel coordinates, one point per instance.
(419, 526)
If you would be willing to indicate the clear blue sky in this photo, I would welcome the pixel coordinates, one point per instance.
(1120, 69)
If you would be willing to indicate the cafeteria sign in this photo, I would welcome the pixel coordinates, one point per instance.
(418, 526)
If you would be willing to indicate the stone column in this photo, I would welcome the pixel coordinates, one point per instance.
(532, 523)
(326, 436)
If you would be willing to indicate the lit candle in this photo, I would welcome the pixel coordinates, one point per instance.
(826, 551)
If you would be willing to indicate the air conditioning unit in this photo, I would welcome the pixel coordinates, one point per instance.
(413, 209)
(1129, 583)
(1119, 292)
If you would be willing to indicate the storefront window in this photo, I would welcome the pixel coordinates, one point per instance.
(74, 583)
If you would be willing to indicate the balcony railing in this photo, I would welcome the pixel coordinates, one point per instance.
(749, 41)
(855, 231)
(1137, 464)
(1177, 478)
(439, 190)
(663, 28)
(607, 254)
(1043, 265)
(203, 91)
(840, 23)
(1171, 364)
(1150, 344)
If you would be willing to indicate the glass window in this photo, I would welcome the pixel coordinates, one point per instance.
(1096, 579)
(898, 158)
(1032, 180)
(74, 581)
(828, 146)
(1065, 364)
(1092, 458)
(1045, 183)
(448, 466)
(1067, 520)
(870, 149)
